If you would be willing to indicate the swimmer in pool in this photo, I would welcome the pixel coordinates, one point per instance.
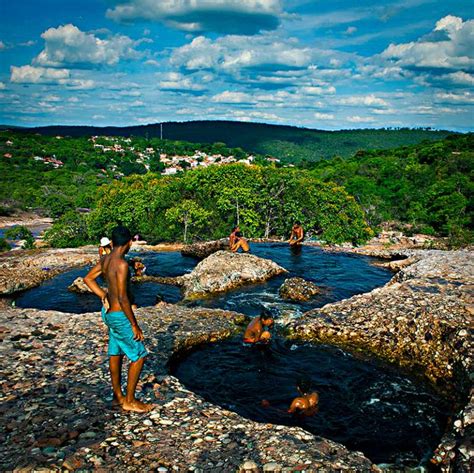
(297, 234)
(257, 330)
(125, 335)
(307, 402)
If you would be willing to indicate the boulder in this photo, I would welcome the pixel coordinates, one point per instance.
(204, 249)
(79, 286)
(298, 289)
(225, 270)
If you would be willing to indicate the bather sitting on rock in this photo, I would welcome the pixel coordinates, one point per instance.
(236, 241)
(307, 403)
(257, 330)
(297, 234)
(125, 335)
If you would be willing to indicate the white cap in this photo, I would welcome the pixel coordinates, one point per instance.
(104, 241)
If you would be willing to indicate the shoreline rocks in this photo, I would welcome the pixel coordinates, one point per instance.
(29, 268)
(225, 270)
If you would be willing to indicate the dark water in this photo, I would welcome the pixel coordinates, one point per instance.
(341, 276)
(363, 404)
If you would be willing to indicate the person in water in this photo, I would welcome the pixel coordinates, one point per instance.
(237, 241)
(257, 330)
(307, 402)
(125, 335)
(138, 267)
(297, 234)
(105, 247)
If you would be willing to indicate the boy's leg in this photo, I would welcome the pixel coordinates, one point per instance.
(115, 364)
(130, 402)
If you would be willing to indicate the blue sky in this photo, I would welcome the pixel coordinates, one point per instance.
(316, 64)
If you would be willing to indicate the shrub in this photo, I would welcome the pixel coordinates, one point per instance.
(68, 231)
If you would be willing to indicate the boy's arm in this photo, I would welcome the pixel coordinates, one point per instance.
(124, 301)
(90, 281)
(297, 404)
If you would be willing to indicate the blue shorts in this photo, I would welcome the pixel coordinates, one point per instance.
(121, 340)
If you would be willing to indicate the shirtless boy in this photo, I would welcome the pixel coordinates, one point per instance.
(256, 332)
(307, 402)
(297, 234)
(125, 335)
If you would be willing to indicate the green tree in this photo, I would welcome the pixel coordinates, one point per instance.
(189, 215)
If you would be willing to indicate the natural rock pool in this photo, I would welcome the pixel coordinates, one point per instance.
(340, 276)
(364, 404)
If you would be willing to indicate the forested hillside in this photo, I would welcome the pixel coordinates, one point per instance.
(288, 143)
(423, 188)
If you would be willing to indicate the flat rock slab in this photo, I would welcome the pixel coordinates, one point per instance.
(27, 269)
(225, 270)
(55, 414)
(298, 289)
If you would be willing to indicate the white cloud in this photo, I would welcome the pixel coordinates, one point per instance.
(232, 97)
(455, 98)
(174, 81)
(450, 46)
(68, 45)
(316, 90)
(324, 116)
(248, 116)
(47, 75)
(459, 78)
(365, 100)
(231, 53)
(359, 119)
(226, 16)
(38, 75)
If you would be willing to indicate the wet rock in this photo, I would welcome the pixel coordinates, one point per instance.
(224, 270)
(79, 286)
(204, 249)
(298, 289)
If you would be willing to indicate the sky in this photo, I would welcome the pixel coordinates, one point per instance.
(316, 64)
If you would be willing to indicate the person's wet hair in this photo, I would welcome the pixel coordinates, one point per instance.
(121, 236)
(304, 385)
(266, 314)
(238, 234)
(297, 223)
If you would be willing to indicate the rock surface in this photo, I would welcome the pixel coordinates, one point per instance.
(298, 289)
(206, 248)
(225, 270)
(420, 320)
(55, 415)
(27, 269)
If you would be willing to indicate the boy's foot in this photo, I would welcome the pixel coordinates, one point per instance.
(118, 401)
(137, 406)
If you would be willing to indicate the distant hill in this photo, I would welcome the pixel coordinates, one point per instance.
(291, 144)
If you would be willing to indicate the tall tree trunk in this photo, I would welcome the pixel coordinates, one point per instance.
(185, 230)
(237, 213)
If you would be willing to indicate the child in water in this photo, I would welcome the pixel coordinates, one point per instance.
(307, 402)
